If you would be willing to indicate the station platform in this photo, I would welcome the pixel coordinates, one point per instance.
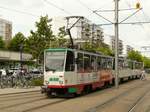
(18, 90)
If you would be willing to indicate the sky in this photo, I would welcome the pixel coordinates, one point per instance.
(136, 35)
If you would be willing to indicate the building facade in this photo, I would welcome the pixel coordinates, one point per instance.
(88, 31)
(5, 29)
(120, 45)
(83, 31)
(10, 59)
(129, 48)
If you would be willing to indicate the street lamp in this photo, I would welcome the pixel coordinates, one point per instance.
(21, 58)
(39, 56)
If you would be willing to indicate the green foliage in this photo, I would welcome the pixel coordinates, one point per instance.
(146, 61)
(2, 43)
(37, 82)
(102, 47)
(17, 40)
(88, 47)
(61, 41)
(105, 51)
(135, 55)
(40, 39)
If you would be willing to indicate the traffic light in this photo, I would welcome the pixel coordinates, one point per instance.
(138, 5)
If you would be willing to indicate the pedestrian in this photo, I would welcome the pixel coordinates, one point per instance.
(143, 76)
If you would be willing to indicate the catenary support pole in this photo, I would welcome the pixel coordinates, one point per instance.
(116, 26)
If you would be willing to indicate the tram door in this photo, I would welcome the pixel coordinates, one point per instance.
(70, 74)
(80, 68)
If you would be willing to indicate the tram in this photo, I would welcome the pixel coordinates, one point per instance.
(70, 72)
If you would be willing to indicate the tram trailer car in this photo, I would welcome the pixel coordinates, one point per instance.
(70, 72)
(128, 69)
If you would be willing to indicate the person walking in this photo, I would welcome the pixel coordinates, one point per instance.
(143, 76)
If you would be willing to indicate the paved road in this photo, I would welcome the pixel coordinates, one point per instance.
(25, 102)
(131, 94)
(18, 90)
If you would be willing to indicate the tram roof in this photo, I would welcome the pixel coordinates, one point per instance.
(81, 51)
(59, 49)
(88, 52)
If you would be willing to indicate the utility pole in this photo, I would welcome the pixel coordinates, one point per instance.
(116, 26)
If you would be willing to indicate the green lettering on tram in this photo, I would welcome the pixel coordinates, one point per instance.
(53, 79)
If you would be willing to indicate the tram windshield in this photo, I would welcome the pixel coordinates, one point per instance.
(54, 61)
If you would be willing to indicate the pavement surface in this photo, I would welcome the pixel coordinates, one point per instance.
(132, 96)
(18, 90)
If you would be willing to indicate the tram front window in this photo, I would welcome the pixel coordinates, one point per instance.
(54, 61)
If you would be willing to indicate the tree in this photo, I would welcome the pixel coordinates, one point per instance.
(17, 40)
(2, 43)
(61, 41)
(146, 61)
(88, 47)
(102, 48)
(40, 39)
(105, 51)
(135, 55)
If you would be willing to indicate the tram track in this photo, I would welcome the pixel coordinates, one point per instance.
(104, 104)
(138, 101)
(29, 100)
(21, 103)
(32, 105)
(45, 105)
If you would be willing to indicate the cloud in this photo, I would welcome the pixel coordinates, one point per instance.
(11, 2)
(33, 3)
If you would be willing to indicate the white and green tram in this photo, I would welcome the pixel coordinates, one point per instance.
(69, 72)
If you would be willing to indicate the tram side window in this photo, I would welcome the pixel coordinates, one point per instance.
(104, 63)
(126, 64)
(113, 64)
(80, 65)
(138, 65)
(70, 61)
(94, 63)
(130, 63)
(99, 63)
(110, 64)
(121, 64)
(87, 63)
